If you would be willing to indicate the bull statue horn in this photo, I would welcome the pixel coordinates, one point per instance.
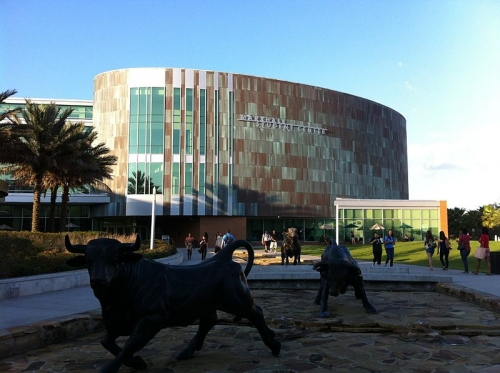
(76, 249)
(127, 247)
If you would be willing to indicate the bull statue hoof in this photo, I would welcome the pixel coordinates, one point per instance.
(136, 362)
(139, 297)
(324, 314)
(338, 270)
(275, 347)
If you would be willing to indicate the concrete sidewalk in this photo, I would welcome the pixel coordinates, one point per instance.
(46, 306)
(47, 311)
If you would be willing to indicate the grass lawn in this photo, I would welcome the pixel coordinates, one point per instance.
(408, 253)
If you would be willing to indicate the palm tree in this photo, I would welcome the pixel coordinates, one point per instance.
(3, 96)
(38, 145)
(90, 165)
(6, 123)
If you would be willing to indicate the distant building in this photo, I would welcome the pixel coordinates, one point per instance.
(235, 151)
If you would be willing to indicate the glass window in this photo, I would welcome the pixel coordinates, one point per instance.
(426, 214)
(157, 176)
(201, 187)
(89, 112)
(132, 178)
(188, 179)
(189, 121)
(203, 123)
(146, 122)
(176, 178)
(388, 213)
(75, 211)
(176, 135)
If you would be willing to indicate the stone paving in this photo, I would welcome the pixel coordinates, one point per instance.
(413, 332)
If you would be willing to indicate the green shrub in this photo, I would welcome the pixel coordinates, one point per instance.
(28, 254)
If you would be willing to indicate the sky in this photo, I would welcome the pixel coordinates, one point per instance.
(437, 62)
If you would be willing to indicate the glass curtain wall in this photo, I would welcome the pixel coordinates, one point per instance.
(412, 222)
(203, 141)
(176, 142)
(146, 123)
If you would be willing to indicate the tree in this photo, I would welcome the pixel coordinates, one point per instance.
(459, 218)
(9, 113)
(90, 165)
(6, 123)
(491, 217)
(37, 145)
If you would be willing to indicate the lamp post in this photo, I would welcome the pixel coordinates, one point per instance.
(153, 215)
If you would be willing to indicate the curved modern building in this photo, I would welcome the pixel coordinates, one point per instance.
(231, 151)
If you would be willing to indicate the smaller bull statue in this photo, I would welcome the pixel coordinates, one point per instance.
(339, 270)
(290, 246)
(139, 297)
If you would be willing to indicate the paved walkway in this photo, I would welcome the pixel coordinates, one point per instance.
(413, 331)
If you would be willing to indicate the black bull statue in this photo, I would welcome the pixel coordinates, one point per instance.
(339, 270)
(139, 297)
(290, 246)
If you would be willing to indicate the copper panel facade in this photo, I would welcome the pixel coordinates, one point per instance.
(273, 148)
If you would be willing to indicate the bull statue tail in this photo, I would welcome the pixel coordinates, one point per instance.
(227, 253)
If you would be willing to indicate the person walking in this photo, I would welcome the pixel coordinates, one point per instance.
(266, 241)
(444, 250)
(189, 242)
(430, 245)
(203, 247)
(353, 238)
(464, 247)
(389, 243)
(483, 252)
(274, 242)
(376, 243)
(227, 239)
(218, 242)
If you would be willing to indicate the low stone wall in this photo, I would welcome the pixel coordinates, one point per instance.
(24, 338)
(30, 285)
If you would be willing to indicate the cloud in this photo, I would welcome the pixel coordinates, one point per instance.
(408, 86)
(441, 167)
(400, 64)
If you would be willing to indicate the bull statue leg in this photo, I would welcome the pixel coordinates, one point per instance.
(256, 317)
(322, 296)
(144, 331)
(296, 254)
(284, 255)
(207, 322)
(108, 341)
(241, 305)
(360, 293)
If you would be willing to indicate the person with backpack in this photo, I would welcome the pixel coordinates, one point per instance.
(430, 245)
(444, 250)
(227, 239)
